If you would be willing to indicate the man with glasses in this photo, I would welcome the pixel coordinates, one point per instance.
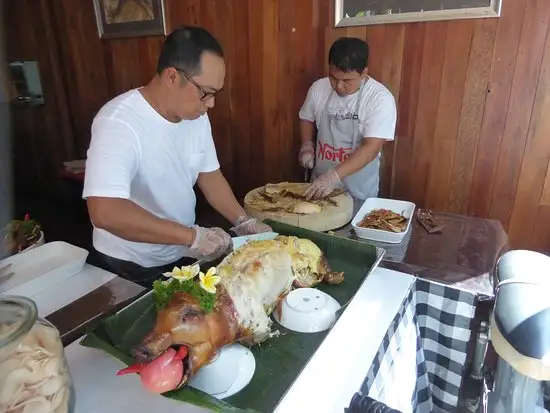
(353, 115)
(149, 147)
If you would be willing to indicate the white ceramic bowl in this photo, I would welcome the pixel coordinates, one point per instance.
(230, 372)
(307, 310)
(404, 208)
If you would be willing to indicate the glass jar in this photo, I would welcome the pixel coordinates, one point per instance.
(34, 376)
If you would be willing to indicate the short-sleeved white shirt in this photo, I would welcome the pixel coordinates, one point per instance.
(137, 154)
(377, 109)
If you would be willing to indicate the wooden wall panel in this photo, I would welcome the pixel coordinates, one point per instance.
(471, 135)
(475, 89)
(42, 134)
(455, 67)
(534, 168)
(433, 56)
(407, 107)
(520, 106)
(83, 61)
(498, 95)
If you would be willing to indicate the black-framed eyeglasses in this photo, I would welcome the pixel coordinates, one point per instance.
(205, 95)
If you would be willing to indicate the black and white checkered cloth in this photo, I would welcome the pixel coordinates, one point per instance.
(421, 361)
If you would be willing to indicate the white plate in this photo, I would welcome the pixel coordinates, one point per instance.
(229, 373)
(404, 208)
(307, 310)
(240, 241)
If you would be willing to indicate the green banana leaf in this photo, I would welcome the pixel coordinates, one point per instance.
(278, 360)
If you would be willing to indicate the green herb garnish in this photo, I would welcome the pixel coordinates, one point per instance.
(163, 291)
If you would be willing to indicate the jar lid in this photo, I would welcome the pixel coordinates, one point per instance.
(17, 317)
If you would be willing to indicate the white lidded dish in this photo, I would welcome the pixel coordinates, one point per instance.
(40, 267)
(404, 208)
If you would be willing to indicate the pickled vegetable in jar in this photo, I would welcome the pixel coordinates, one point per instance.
(34, 376)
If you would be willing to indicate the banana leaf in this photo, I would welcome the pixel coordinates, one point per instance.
(278, 360)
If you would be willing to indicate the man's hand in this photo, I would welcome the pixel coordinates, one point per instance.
(210, 243)
(307, 155)
(323, 185)
(246, 226)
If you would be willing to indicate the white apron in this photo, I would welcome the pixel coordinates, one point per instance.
(337, 138)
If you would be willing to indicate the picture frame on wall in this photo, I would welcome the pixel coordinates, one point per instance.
(130, 18)
(369, 12)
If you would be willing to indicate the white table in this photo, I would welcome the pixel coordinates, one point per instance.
(357, 334)
(56, 296)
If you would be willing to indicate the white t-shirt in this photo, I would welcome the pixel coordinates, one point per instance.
(137, 154)
(342, 123)
(377, 109)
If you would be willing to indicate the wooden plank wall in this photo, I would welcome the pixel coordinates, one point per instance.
(471, 136)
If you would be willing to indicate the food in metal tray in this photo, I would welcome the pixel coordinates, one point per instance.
(385, 220)
(289, 197)
(230, 303)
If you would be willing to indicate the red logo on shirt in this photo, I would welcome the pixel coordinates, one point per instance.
(330, 153)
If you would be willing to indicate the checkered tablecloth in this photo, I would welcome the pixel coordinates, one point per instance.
(421, 361)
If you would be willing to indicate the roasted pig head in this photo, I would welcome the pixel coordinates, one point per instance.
(183, 323)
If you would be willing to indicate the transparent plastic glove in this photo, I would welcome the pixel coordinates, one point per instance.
(248, 226)
(210, 243)
(307, 155)
(323, 186)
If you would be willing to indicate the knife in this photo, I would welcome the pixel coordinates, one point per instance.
(204, 260)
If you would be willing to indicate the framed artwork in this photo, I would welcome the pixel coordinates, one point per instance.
(130, 18)
(367, 12)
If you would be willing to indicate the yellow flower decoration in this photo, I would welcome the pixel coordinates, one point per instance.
(209, 280)
(184, 273)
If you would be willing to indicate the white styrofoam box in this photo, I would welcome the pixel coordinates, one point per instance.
(404, 208)
(43, 266)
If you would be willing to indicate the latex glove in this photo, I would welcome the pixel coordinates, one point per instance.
(323, 185)
(246, 226)
(307, 155)
(210, 243)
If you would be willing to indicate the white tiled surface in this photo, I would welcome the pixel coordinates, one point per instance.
(354, 339)
(56, 296)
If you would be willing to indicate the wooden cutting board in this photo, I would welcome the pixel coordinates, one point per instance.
(331, 217)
